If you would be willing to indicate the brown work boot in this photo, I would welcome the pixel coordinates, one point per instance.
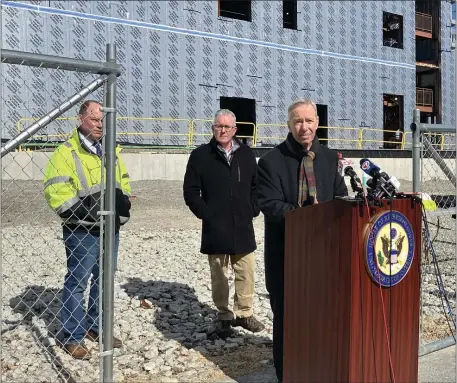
(249, 323)
(93, 336)
(77, 351)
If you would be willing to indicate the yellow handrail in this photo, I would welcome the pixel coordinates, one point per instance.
(343, 128)
(283, 126)
(440, 137)
(257, 136)
(192, 124)
(18, 124)
(257, 129)
(120, 118)
(401, 142)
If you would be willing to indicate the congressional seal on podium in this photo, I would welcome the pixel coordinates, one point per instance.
(389, 248)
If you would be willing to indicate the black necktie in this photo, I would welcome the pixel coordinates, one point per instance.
(98, 148)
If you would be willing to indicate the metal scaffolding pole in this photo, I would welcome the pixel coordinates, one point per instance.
(415, 127)
(110, 207)
(22, 137)
(53, 62)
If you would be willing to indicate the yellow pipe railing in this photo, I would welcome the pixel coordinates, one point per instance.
(263, 126)
(284, 127)
(393, 142)
(195, 130)
(450, 139)
(338, 139)
(121, 118)
(206, 131)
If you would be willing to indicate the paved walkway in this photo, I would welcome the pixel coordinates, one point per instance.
(437, 367)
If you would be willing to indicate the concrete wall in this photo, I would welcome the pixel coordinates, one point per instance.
(148, 166)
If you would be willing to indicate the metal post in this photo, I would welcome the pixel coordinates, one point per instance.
(428, 148)
(110, 206)
(51, 116)
(416, 150)
(1, 210)
(53, 62)
(102, 246)
(455, 148)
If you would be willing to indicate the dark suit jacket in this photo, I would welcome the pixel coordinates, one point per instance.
(224, 197)
(278, 172)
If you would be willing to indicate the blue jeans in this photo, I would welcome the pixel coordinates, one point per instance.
(82, 250)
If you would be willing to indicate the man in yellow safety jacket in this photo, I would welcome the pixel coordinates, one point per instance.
(73, 190)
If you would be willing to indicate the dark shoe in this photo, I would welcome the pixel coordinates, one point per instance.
(77, 351)
(93, 336)
(224, 329)
(249, 323)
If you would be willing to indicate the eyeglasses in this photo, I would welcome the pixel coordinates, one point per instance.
(220, 127)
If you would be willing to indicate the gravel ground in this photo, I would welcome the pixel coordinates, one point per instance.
(159, 260)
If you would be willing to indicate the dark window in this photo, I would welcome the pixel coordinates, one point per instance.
(392, 30)
(322, 131)
(244, 110)
(240, 10)
(289, 14)
(393, 121)
(427, 50)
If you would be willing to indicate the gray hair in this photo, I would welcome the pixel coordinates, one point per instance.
(224, 112)
(300, 102)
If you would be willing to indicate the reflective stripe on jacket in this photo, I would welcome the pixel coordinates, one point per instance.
(73, 179)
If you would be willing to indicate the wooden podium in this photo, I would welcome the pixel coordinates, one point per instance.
(335, 318)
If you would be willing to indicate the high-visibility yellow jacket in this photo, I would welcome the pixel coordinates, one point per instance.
(72, 185)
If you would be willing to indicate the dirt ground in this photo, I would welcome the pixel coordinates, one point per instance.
(155, 205)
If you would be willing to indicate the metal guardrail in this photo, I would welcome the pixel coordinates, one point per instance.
(424, 97)
(264, 135)
(424, 22)
(396, 139)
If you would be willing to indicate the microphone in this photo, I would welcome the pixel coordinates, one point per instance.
(349, 171)
(369, 167)
(381, 184)
(345, 169)
(395, 183)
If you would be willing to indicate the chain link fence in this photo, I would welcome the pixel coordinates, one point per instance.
(434, 174)
(48, 91)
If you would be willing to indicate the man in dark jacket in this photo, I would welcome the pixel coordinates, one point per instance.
(220, 188)
(298, 172)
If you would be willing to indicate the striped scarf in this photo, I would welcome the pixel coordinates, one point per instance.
(307, 193)
(306, 182)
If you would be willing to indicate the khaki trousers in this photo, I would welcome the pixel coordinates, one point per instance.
(243, 266)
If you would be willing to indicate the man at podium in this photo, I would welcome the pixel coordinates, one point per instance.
(298, 172)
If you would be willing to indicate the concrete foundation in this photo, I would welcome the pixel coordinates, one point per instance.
(171, 167)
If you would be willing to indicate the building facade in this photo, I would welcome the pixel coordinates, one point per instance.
(367, 64)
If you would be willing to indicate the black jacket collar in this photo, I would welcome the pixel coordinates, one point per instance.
(213, 143)
(297, 149)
